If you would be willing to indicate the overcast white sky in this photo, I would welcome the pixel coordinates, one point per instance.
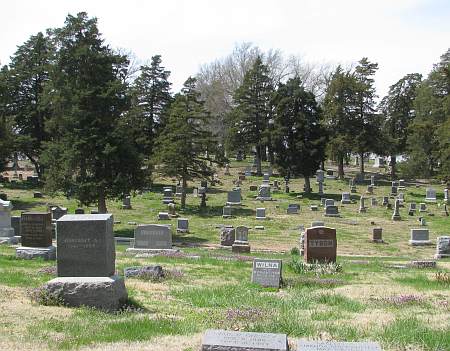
(403, 36)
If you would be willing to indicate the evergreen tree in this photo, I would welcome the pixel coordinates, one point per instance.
(150, 99)
(6, 140)
(29, 75)
(340, 114)
(92, 156)
(398, 112)
(184, 146)
(367, 125)
(250, 117)
(298, 137)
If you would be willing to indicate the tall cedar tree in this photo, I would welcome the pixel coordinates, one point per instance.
(298, 137)
(429, 139)
(183, 147)
(150, 100)
(6, 139)
(250, 117)
(367, 125)
(399, 112)
(340, 114)
(91, 157)
(29, 72)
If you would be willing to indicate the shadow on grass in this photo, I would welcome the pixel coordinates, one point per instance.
(213, 211)
(125, 232)
(26, 205)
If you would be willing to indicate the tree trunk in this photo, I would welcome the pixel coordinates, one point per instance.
(341, 167)
(393, 166)
(102, 202)
(183, 193)
(307, 185)
(361, 164)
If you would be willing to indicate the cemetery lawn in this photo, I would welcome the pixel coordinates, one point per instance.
(373, 294)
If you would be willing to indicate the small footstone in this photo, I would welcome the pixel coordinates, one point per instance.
(131, 223)
(105, 293)
(423, 264)
(259, 227)
(335, 345)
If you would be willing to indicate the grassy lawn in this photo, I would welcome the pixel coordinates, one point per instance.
(371, 298)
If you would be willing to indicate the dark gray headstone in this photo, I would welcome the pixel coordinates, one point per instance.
(337, 346)
(223, 340)
(36, 229)
(58, 212)
(152, 236)
(267, 272)
(86, 246)
(15, 224)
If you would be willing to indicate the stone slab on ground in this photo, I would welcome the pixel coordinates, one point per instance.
(151, 251)
(29, 253)
(337, 346)
(9, 240)
(224, 340)
(105, 293)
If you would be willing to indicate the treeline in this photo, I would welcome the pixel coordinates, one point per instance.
(95, 126)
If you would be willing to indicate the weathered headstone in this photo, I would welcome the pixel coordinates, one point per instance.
(183, 225)
(162, 216)
(394, 191)
(430, 195)
(442, 247)
(223, 340)
(329, 202)
(264, 193)
(152, 237)
(227, 212)
(79, 211)
(396, 215)
(178, 190)
(260, 213)
(6, 230)
(241, 240)
(320, 244)
(346, 198)
(401, 184)
(317, 224)
(234, 197)
(58, 212)
(446, 196)
(36, 229)
(227, 236)
(362, 205)
(267, 272)
(372, 181)
(321, 345)
(422, 207)
(420, 237)
(332, 211)
(377, 235)
(330, 174)
(293, 209)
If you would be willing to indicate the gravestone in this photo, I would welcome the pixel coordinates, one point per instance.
(248, 172)
(167, 195)
(293, 209)
(152, 237)
(385, 201)
(379, 162)
(412, 207)
(241, 240)
(352, 186)
(377, 235)
(373, 201)
(422, 207)
(394, 191)
(126, 203)
(314, 208)
(320, 176)
(446, 196)
(86, 246)
(346, 198)
(372, 181)
(36, 230)
(79, 211)
(332, 211)
(370, 189)
(267, 272)
(401, 184)
(227, 212)
(329, 202)
(420, 237)
(264, 193)
(253, 188)
(163, 216)
(276, 185)
(183, 225)
(330, 174)
(442, 247)
(172, 210)
(38, 195)
(322, 345)
(401, 198)
(15, 224)
(396, 215)
(320, 244)
(6, 230)
(317, 224)
(178, 190)
(204, 184)
(234, 197)
(58, 212)
(362, 206)
(430, 195)
(261, 213)
(227, 170)
(223, 340)
(320, 191)
(227, 236)
(266, 178)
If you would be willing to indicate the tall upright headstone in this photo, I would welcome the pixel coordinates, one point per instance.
(264, 193)
(241, 240)
(320, 244)
(362, 205)
(6, 230)
(396, 215)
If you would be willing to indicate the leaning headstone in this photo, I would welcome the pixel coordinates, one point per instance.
(260, 213)
(6, 230)
(58, 212)
(241, 240)
(346, 198)
(234, 197)
(227, 212)
(151, 237)
(321, 345)
(320, 244)
(430, 195)
(86, 263)
(264, 193)
(223, 340)
(183, 225)
(227, 236)
(442, 247)
(267, 272)
(377, 235)
(420, 237)
(36, 236)
(332, 211)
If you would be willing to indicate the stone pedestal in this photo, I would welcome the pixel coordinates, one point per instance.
(105, 293)
(29, 253)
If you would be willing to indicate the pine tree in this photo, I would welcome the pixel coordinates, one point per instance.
(29, 75)
(91, 156)
(298, 137)
(183, 147)
(398, 112)
(150, 100)
(250, 117)
(6, 139)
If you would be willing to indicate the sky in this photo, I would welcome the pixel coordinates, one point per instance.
(402, 36)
